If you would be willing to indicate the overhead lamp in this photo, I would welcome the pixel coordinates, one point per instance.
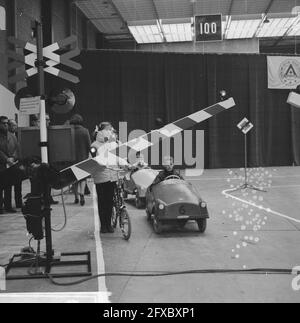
(223, 95)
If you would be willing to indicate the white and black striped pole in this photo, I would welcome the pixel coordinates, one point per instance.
(46, 191)
(40, 64)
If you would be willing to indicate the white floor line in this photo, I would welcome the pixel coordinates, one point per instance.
(84, 297)
(225, 192)
(285, 186)
(99, 250)
(231, 178)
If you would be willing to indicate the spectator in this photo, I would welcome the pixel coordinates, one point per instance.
(82, 149)
(13, 129)
(8, 157)
(35, 122)
(106, 179)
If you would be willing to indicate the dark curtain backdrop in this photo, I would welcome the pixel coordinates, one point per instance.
(138, 87)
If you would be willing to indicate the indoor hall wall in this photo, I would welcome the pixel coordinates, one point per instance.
(60, 19)
(138, 87)
(3, 59)
(246, 46)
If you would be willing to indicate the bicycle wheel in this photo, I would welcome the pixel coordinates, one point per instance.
(125, 224)
(114, 218)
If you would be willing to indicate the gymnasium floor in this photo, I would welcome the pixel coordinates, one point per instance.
(247, 229)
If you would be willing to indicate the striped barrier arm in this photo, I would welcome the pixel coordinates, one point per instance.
(89, 167)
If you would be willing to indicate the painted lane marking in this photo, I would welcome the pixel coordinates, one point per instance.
(226, 193)
(99, 250)
(84, 297)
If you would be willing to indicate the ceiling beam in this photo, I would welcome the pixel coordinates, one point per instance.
(158, 20)
(264, 16)
(230, 8)
(270, 4)
(113, 5)
(228, 18)
(116, 34)
(155, 9)
(285, 34)
(103, 18)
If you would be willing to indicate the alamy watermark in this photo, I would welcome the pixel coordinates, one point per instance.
(2, 279)
(186, 147)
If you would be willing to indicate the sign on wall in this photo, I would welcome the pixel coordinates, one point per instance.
(283, 72)
(208, 28)
(30, 106)
(2, 18)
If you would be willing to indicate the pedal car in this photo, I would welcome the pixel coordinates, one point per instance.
(175, 201)
(136, 183)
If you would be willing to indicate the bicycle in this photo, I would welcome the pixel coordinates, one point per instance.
(120, 213)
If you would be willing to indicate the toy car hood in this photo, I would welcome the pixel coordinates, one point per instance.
(143, 178)
(174, 191)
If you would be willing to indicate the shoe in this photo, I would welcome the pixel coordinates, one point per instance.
(82, 200)
(11, 211)
(1, 211)
(87, 190)
(76, 201)
(110, 230)
(103, 230)
(52, 202)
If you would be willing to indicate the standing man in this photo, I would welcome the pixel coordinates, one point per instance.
(82, 151)
(106, 179)
(8, 156)
(13, 129)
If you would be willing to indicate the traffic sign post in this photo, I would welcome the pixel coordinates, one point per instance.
(245, 126)
(49, 64)
(38, 65)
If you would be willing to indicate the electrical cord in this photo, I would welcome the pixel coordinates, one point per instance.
(19, 261)
(258, 271)
(67, 191)
(35, 254)
(30, 242)
(65, 214)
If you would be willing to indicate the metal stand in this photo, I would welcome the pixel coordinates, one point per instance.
(48, 261)
(16, 262)
(246, 184)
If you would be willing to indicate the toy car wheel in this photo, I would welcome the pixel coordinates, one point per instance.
(139, 203)
(125, 195)
(182, 223)
(114, 219)
(157, 226)
(125, 224)
(202, 224)
(148, 215)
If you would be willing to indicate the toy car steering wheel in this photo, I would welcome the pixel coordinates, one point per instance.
(172, 177)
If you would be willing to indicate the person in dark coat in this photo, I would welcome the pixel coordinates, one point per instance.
(82, 150)
(9, 150)
(13, 129)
